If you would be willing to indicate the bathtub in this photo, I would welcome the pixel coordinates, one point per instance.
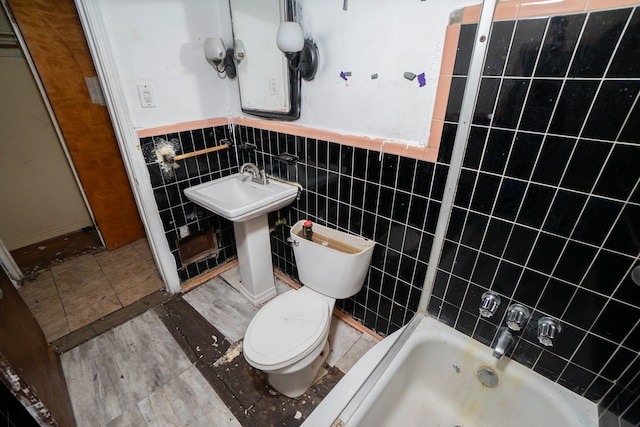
(431, 380)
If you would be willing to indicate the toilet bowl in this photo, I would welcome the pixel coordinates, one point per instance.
(288, 337)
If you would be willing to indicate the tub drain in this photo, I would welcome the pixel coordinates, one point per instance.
(487, 377)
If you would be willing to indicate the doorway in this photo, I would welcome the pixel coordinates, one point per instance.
(41, 195)
(46, 221)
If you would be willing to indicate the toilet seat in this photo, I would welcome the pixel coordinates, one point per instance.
(286, 329)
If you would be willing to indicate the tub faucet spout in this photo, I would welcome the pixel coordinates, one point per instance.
(503, 344)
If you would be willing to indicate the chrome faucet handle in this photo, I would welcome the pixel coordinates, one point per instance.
(517, 316)
(489, 304)
(548, 329)
(263, 177)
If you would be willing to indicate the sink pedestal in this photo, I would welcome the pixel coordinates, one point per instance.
(239, 199)
(254, 259)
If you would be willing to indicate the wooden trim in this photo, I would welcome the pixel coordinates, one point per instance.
(108, 322)
(610, 4)
(420, 152)
(437, 126)
(355, 324)
(205, 277)
(430, 154)
(182, 127)
(537, 8)
(286, 279)
(413, 151)
(42, 255)
(506, 11)
(471, 14)
(383, 145)
(519, 9)
(442, 93)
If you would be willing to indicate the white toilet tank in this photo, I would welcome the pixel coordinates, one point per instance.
(333, 263)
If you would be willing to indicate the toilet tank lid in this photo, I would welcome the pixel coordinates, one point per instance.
(285, 328)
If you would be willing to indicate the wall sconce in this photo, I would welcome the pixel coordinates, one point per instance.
(219, 57)
(301, 54)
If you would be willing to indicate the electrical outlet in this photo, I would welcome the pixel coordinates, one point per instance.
(145, 93)
(273, 86)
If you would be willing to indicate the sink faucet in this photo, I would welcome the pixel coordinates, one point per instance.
(258, 176)
(503, 343)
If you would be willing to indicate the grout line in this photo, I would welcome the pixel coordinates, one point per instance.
(637, 400)
(620, 37)
(550, 186)
(477, 176)
(502, 176)
(589, 195)
(632, 107)
(533, 132)
(528, 183)
(470, 93)
(609, 298)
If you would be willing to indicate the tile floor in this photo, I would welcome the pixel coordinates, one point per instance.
(77, 292)
(137, 374)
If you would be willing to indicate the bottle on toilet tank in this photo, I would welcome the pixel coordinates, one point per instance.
(307, 230)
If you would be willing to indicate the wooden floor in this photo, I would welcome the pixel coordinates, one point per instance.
(180, 363)
(67, 294)
(43, 255)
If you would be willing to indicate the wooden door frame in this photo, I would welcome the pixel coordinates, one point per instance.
(53, 33)
(52, 116)
(97, 38)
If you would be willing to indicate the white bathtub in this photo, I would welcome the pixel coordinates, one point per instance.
(432, 382)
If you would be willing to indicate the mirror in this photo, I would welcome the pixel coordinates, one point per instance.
(267, 87)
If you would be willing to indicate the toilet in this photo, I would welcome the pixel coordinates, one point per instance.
(288, 337)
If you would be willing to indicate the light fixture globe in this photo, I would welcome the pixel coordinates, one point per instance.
(214, 50)
(290, 38)
(301, 54)
(221, 58)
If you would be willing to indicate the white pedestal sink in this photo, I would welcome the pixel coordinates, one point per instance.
(247, 204)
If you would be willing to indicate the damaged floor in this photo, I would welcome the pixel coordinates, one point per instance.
(180, 363)
(69, 289)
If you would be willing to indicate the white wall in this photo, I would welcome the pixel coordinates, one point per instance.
(161, 42)
(387, 37)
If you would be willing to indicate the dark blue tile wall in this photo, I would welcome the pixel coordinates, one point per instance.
(391, 199)
(547, 211)
(175, 209)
